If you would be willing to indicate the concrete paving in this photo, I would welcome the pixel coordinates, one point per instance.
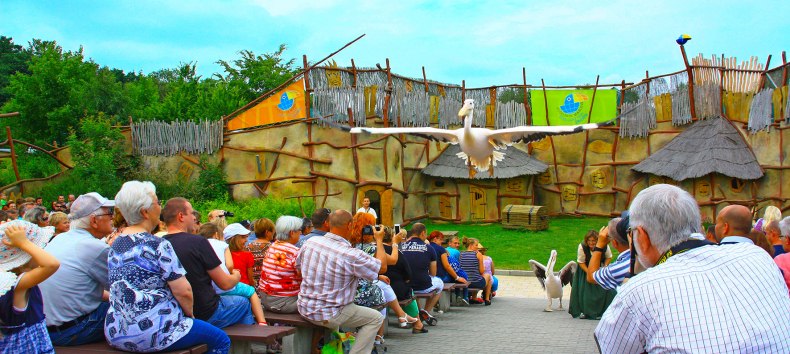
(514, 323)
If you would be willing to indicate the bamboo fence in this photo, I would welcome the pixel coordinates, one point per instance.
(167, 139)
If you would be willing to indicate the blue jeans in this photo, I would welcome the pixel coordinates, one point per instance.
(232, 310)
(88, 330)
(203, 333)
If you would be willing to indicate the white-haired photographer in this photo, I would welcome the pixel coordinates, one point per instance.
(694, 296)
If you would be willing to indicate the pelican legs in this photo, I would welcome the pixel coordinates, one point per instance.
(560, 308)
(491, 166)
(548, 307)
(472, 170)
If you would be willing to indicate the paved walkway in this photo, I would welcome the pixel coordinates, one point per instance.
(514, 323)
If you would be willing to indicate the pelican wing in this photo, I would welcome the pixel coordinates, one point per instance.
(443, 135)
(540, 272)
(526, 134)
(566, 273)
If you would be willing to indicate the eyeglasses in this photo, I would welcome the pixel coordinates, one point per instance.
(105, 214)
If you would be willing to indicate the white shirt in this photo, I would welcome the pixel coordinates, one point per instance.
(582, 258)
(219, 248)
(712, 299)
(369, 211)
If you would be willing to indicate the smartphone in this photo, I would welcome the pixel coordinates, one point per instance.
(397, 229)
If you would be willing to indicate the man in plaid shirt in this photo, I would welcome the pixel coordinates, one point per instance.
(331, 268)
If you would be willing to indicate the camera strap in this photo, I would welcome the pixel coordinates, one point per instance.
(683, 247)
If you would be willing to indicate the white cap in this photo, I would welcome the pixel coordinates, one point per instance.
(235, 229)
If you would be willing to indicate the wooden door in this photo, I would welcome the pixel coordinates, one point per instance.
(477, 200)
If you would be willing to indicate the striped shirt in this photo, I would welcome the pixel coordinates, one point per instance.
(712, 299)
(331, 269)
(471, 265)
(278, 275)
(611, 276)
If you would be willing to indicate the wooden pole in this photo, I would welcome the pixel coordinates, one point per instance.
(691, 83)
(526, 103)
(309, 104)
(387, 99)
(424, 79)
(784, 68)
(9, 115)
(13, 154)
(463, 90)
(354, 74)
(762, 75)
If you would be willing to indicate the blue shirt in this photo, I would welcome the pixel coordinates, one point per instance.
(419, 256)
(611, 276)
(77, 287)
(454, 253)
(144, 315)
(303, 239)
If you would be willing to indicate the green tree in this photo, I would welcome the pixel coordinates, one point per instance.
(13, 59)
(253, 75)
(59, 89)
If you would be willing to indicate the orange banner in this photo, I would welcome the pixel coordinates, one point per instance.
(287, 104)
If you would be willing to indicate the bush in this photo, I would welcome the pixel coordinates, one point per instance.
(253, 209)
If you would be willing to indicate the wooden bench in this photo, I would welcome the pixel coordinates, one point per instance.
(304, 340)
(242, 335)
(105, 348)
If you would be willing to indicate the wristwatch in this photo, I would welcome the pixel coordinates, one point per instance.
(599, 249)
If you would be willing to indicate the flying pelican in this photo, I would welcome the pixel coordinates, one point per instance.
(479, 145)
(549, 281)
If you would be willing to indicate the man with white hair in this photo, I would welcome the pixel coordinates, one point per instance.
(75, 297)
(694, 296)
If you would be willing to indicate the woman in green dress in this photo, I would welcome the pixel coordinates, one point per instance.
(589, 300)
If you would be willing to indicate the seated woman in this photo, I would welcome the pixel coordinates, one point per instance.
(150, 299)
(258, 242)
(364, 241)
(280, 278)
(472, 264)
(589, 300)
(488, 266)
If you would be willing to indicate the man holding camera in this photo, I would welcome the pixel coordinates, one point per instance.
(611, 276)
(331, 268)
(694, 296)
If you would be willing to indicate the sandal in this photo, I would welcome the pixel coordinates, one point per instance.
(405, 321)
(426, 317)
(379, 340)
(414, 330)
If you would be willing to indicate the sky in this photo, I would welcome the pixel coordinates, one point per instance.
(484, 43)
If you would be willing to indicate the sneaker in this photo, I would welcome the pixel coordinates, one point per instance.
(463, 302)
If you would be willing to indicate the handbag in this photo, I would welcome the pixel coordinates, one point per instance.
(368, 294)
(339, 343)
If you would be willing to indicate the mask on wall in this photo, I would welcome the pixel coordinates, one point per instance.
(703, 188)
(333, 78)
(598, 178)
(569, 193)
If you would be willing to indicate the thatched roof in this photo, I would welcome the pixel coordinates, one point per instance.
(707, 146)
(516, 163)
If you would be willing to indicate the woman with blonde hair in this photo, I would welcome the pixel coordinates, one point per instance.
(772, 213)
(472, 263)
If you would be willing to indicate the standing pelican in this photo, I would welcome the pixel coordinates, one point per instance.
(479, 145)
(549, 281)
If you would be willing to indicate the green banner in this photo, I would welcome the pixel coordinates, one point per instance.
(571, 107)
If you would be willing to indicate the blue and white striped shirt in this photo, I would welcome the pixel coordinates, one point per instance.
(611, 276)
(711, 299)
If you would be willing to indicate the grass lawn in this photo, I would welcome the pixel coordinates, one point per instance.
(512, 249)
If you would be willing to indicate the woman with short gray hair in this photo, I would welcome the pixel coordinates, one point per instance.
(38, 215)
(280, 279)
(151, 301)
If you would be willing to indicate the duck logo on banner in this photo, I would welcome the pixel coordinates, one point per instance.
(286, 100)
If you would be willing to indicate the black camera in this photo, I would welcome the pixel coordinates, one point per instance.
(228, 214)
(368, 229)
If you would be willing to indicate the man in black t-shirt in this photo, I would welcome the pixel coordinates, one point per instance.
(203, 267)
(422, 260)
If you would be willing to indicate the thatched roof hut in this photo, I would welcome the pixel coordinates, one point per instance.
(516, 163)
(707, 146)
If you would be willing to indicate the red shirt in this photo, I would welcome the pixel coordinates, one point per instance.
(279, 277)
(243, 261)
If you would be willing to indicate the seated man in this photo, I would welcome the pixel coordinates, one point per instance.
(75, 297)
(331, 269)
(733, 225)
(203, 267)
(320, 222)
(694, 296)
(422, 260)
(613, 275)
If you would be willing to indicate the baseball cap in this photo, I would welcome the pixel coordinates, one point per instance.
(87, 203)
(622, 226)
(12, 257)
(233, 230)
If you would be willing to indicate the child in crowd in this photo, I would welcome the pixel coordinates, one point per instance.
(236, 236)
(211, 232)
(23, 265)
(488, 266)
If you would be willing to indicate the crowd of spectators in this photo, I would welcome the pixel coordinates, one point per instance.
(145, 275)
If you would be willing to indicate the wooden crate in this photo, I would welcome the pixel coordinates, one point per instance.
(530, 217)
